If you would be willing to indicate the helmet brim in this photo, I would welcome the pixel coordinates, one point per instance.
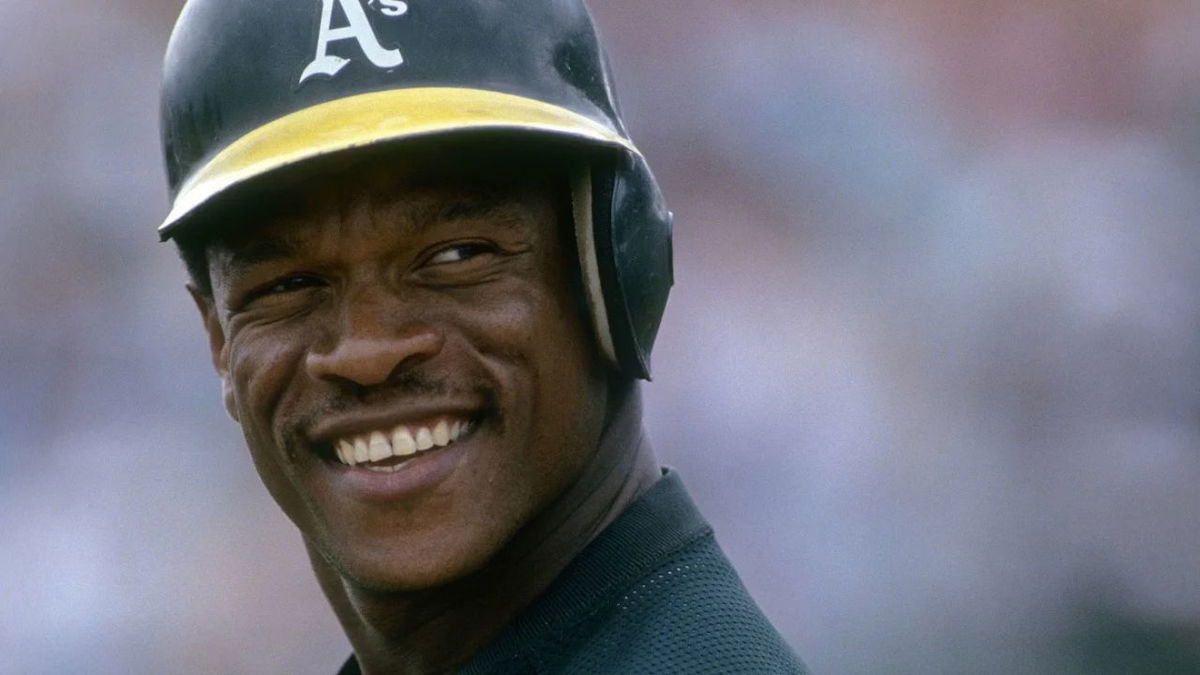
(371, 119)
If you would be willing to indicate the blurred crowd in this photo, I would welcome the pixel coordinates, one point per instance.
(931, 366)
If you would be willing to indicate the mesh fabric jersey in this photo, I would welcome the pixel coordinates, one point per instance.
(652, 594)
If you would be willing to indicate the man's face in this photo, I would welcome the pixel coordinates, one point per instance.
(425, 318)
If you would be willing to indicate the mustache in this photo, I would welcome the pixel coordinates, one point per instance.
(406, 386)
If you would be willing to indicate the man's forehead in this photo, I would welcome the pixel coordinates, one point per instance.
(390, 196)
(408, 209)
(409, 185)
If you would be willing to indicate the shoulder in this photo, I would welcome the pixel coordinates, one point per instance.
(689, 614)
(651, 594)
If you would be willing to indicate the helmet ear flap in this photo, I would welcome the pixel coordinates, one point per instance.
(625, 256)
(583, 204)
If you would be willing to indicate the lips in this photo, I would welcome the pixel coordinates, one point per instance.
(388, 448)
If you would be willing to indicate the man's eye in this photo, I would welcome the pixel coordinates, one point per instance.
(295, 282)
(460, 252)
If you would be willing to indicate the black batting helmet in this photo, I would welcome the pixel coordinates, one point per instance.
(255, 87)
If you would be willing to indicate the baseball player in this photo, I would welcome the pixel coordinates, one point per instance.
(431, 265)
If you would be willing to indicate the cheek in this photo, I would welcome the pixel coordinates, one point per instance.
(532, 319)
(538, 346)
(262, 366)
(262, 369)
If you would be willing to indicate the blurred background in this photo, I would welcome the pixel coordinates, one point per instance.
(931, 366)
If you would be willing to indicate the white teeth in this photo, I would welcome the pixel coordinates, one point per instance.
(441, 434)
(380, 448)
(403, 442)
(346, 453)
(424, 439)
(387, 469)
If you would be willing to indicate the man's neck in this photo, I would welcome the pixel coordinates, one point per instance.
(439, 629)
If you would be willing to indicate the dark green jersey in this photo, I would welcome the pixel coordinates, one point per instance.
(652, 594)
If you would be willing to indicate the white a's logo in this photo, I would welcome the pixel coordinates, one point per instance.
(357, 28)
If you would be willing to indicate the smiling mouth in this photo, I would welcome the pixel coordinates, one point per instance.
(389, 450)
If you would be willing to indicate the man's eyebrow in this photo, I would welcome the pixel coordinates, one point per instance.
(498, 209)
(256, 252)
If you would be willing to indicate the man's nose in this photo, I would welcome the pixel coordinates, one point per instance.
(374, 341)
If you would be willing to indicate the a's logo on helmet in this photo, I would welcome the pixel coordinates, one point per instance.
(357, 28)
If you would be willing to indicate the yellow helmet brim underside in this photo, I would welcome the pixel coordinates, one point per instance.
(371, 119)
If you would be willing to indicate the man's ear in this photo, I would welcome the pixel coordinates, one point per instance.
(217, 344)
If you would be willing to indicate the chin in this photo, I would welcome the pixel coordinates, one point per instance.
(390, 576)
(411, 563)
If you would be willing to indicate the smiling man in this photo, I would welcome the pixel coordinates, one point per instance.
(431, 265)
